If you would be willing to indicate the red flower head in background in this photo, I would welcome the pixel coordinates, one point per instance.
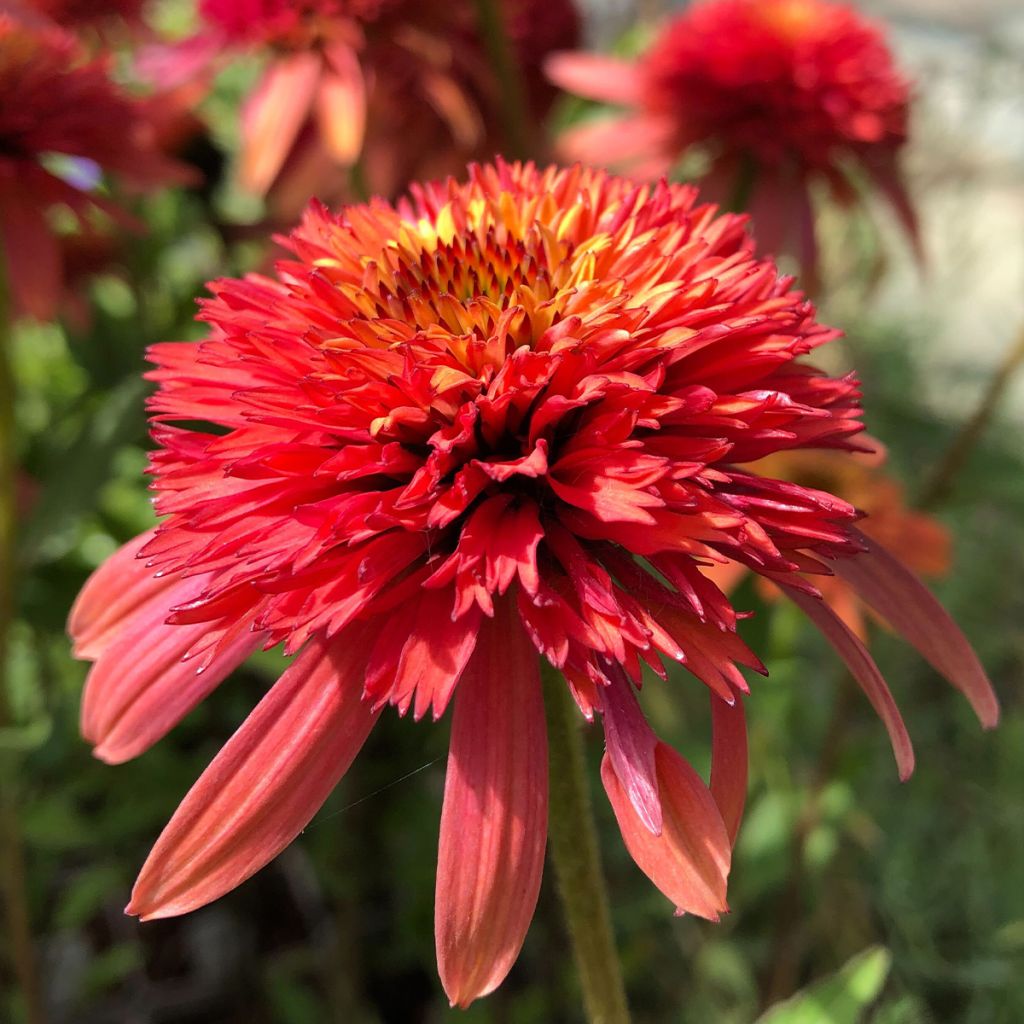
(409, 81)
(502, 419)
(777, 95)
(63, 124)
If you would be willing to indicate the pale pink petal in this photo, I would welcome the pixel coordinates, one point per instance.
(114, 592)
(341, 104)
(864, 670)
(900, 598)
(619, 142)
(266, 783)
(689, 861)
(596, 77)
(631, 742)
(273, 116)
(729, 761)
(494, 821)
(170, 66)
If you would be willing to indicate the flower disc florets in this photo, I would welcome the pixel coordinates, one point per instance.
(543, 381)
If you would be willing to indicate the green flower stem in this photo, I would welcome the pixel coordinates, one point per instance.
(572, 847)
(17, 923)
(514, 110)
(941, 481)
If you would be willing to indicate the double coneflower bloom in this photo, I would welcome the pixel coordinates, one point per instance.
(406, 88)
(776, 96)
(504, 420)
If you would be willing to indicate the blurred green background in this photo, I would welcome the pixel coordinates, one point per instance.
(856, 898)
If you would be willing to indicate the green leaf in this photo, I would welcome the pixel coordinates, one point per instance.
(842, 998)
(74, 483)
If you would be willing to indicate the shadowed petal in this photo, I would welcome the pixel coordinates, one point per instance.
(273, 116)
(896, 594)
(729, 761)
(864, 670)
(31, 254)
(689, 861)
(494, 821)
(267, 782)
(631, 742)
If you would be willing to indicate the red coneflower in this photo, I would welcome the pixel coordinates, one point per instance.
(408, 79)
(63, 124)
(777, 95)
(503, 418)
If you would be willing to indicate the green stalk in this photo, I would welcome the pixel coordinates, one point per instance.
(514, 109)
(573, 850)
(957, 455)
(17, 922)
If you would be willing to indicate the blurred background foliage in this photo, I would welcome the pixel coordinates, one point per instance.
(855, 898)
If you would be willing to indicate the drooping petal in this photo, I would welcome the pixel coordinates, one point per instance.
(267, 782)
(689, 861)
(341, 104)
(494, 821)
(900, 598)
(112, 593)
(729, 761)
(144, 684)
(631, 743)
(273, 116)
(596, 77)
(32, 256)
(864, 670)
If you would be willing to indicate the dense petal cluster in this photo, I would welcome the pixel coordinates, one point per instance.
(859, 478)
(775, 94)
(405, 87)
(63, 124)
(503, 418)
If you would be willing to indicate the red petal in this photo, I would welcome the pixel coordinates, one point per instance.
(864, 670)
(631, 742)
(729, 761)
(494, 822)
(273, 116)
(267, 782)
(689, 861)
(896, 594)
(141, 687)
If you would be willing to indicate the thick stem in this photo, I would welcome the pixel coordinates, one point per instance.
(573, 849)
(957, 454)
(12, 856)
(514, 108)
